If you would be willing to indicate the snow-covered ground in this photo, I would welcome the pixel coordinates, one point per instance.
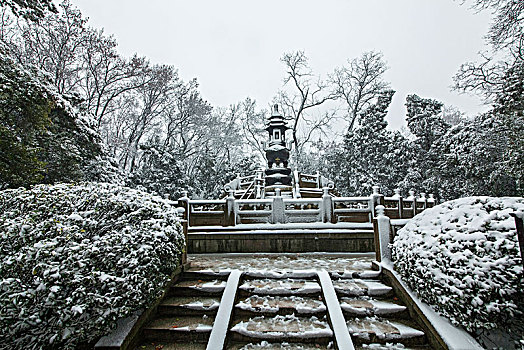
(282, 264)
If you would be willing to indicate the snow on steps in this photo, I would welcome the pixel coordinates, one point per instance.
(391, 346)
(283, 265)
(281, 287)
(179, 328)
(198, 287)
(284, 305)
(370, 307)
(358, 287)
(287, 346)
(172, 346)
(378, 330)
(289, 328)
(189, 305)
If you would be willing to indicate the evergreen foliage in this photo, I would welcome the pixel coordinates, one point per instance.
(371, 154)
(44, 139)
(30, 9)
(462, 257)
(75, 259)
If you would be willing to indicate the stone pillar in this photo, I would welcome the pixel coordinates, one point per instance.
(398, 196)
(519, 224)
(183, 204)
(375, 199)
(414, 199)
(327, 206)
(431, 200)
(382, 228)
(296, 188)
(424, 199)
(278, 216)
(230, 210)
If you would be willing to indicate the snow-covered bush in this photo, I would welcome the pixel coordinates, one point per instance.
(75, 258)
(462, 257)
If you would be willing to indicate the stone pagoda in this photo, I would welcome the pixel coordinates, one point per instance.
(278, 179)
(278, 175)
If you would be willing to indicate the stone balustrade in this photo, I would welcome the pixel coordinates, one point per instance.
(328, 209)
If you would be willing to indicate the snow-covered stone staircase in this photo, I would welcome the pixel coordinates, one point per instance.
(268, 309)
(374, 314)
(185, 317)
(289, 310)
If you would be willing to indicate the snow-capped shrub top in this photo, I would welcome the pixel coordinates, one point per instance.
(75, 258)
(462, 257)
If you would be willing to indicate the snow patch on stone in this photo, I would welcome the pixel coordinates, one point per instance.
(281, 287)
(288, 326)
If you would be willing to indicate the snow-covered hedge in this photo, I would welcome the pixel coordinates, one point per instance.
(462, 257)
(75, 258)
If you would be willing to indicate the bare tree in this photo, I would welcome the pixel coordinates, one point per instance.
(54, 45)
(485, 78)
(252, 125)
(307, 91)
(107, 75)
(8, 32)
(149, 103)
(359, 83)
(506, 37)
(506, 29)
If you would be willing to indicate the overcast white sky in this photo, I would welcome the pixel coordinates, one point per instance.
(233, 46)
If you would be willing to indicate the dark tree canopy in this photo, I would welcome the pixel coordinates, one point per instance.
(30, 9)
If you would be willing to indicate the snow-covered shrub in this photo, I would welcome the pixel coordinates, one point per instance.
(462, 257)
(75, 258)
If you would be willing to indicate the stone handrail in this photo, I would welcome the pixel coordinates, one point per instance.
(231, 211)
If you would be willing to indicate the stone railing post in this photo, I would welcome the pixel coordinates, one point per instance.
(230, 213)
(375, 199)
(431, 200)
(519, 223)
(424, 199)
(327, 206)
(382, 229)
(398, 196)
(296, 189)
(183, 204)
(278, 215)
(414, 200)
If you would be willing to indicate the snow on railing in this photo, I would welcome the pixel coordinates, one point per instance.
(231, 211)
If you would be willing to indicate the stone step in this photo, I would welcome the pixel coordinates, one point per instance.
(280, 274)
(282, 305)
(359, 287)
(196, 273)
(283, 328)
(282, 264)
(269, 345)
(280, 287)
(349, 274)
(171, 346)
(378, 330)
(391, 346)
(179, 329)
(185, 306)
(317, 226)
(198, 287)
(371, 307)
